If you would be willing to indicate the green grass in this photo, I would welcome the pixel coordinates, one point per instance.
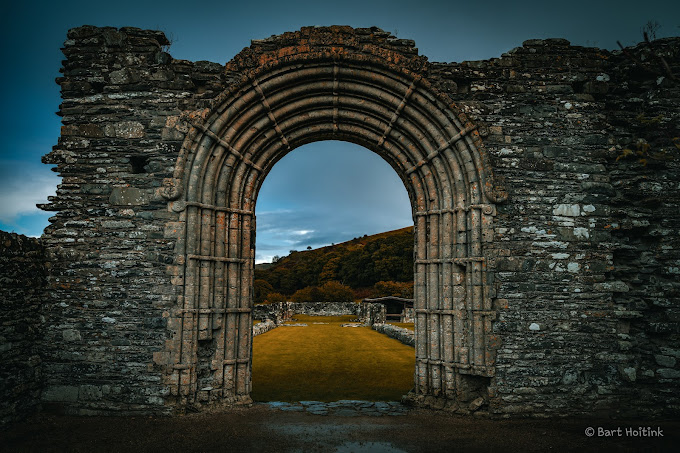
(405, 325)
(327, 362)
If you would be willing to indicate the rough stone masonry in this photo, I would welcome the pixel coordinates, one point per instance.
(545, 190)
(22, 261)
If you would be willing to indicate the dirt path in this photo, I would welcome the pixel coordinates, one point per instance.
(261, 429)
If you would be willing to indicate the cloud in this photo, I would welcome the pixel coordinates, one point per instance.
(30, 224)
(303, 232)
(22, 186)
(324, 193)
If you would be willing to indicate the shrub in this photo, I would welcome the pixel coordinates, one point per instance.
(308, 294)
(328, 292)
(273, 298)
(336, 292)
(396, 289)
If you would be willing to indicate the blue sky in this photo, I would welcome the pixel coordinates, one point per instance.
(319, 206)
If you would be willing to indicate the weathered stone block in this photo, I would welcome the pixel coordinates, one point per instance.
(60, 393)
(125, 129)
(83, 130)
(116, 224)
(120, 77)
(129, 196)
(573, 167)
(615, 286)
(665, 361)
(90, 392)
(668, 373)
(71, 335)
(567, 210)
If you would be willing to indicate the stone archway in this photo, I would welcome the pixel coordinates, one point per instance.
(374, 98)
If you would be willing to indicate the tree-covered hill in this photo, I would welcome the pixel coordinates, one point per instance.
(359, 263)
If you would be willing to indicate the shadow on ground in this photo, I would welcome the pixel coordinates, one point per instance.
(261, 428)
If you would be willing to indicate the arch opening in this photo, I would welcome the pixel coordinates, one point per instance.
(323, 194)
(327, 192)
(435, 151)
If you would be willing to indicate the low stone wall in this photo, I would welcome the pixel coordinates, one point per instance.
(406, 336)
(372, 313)
(264, 326)
(282, 311)
(278, 312)
(409, 314)
(22, 279)
(272, 315)
(325, 308)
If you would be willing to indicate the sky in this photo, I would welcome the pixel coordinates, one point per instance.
(304, 201)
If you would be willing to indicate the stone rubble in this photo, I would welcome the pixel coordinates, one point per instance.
(343, 408)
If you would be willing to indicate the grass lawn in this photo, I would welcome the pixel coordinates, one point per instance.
(405, 325)
(327, 362)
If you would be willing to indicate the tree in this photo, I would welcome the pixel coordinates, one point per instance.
(328, 292)
(358, 264)
(273, 298)
(336, 292)
(396, 289)
(330, 269)
(262, 288)
(308, 294)
(650, 29)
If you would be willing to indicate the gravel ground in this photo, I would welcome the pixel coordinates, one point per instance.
(260, 428)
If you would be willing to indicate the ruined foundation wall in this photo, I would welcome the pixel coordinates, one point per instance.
(282, 311)
(585, 254)
(22, 280)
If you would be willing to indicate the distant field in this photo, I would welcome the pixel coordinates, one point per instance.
(327, 362)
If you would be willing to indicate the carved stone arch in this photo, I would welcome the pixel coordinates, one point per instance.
(370, 96)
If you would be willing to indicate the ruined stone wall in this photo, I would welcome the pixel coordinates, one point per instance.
(644, 109)
(263, 327)
(22, 279)
(585, 253)
(587, 247)
(278, 312)
(325, 308)
(281, 311)
(400, 334)
(109, 289)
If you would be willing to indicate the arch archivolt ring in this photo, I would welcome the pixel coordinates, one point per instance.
(318, 79)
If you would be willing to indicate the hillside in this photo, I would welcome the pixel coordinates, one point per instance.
(359, 263)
